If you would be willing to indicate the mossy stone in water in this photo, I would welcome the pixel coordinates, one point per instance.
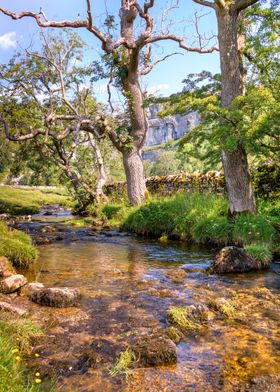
(155, 351)
(233, 259)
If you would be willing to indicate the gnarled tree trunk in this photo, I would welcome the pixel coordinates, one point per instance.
(237, 175)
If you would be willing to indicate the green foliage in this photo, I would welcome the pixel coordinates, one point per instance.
(16, 246)
(110, 210)
(251, 229)
(259, 252)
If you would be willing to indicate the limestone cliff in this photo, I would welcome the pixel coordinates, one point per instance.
(163, 130)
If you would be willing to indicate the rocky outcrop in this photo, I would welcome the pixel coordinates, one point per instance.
(233, 259)
(12, 283)
(164, 129)
(6, 269)
(154, 351)
(61, 297)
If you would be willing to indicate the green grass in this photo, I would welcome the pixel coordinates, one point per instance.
(19, 201)
(124, 363)
(178, 316)
(260, 252)
(251, 229)
(16, 246)
(197, 217)
(16, 335)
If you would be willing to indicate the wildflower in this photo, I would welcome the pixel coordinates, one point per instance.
(17, 358)
(15, 350)
(38, 380)
(37, 355)
(70, 368)
(37, 374)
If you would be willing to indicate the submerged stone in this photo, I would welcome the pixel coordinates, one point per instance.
(61, 297)
(4, 306)
(12, 283)
(233, 259)
(154, 351)
(6, 268)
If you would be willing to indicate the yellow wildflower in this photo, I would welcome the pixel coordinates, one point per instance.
(37, 355)
(17, 358)
(15, 350)
(38, 380)
(37, 374)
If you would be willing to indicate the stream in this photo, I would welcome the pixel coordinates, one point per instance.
(127, 286)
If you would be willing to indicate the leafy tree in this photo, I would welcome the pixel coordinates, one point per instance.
(124, 52)
(42, 92)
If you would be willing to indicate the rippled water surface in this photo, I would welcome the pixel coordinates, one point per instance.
(127, 286)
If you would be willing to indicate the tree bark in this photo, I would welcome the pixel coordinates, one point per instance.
(135, 179)
(235, 164)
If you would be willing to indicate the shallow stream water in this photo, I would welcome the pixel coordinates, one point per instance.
(128, 285)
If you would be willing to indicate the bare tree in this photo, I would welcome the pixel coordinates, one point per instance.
(49, 84)
(237, 175)
(125, 52)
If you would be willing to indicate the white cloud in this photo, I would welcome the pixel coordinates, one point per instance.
(8, 40)
(157, 88)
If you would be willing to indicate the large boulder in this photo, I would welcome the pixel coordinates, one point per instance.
(59, 297)
(155, 351)
(6, 268)
(12, 283)
(233, 259)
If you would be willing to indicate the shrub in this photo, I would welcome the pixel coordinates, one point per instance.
(110, 210)
(251, 229)
(259, 252)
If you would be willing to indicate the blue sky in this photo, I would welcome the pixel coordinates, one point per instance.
(166, 77)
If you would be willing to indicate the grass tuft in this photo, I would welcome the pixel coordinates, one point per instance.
(179, 317)
(124, 363)
(259, 252)
(16, 246)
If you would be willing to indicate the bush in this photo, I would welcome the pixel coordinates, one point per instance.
(259, 252)
(252, 229)
(110, 210)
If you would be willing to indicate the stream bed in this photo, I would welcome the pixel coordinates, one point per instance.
(127, 286)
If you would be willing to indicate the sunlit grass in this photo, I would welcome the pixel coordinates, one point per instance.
(19, 201)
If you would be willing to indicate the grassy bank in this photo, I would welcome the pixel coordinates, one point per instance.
(16, 246)
(200, 218)
(21, 201)
(16, 335)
